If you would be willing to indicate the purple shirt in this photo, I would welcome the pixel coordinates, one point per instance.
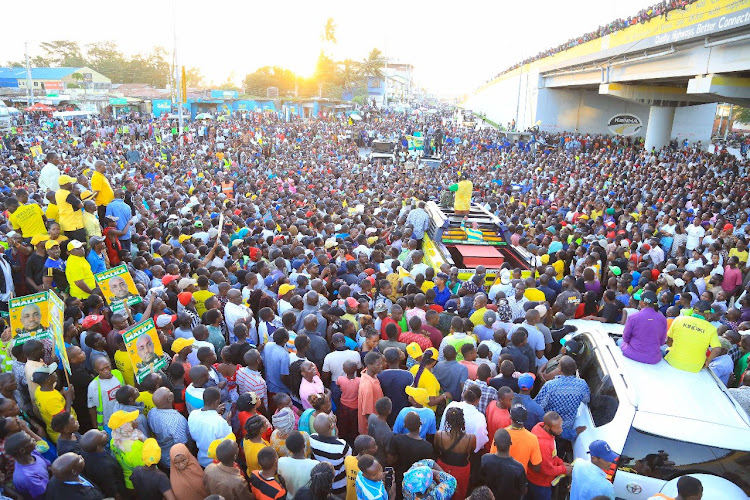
(645, 333)
(31, 480)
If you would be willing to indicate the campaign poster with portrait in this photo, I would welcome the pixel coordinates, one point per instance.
(118, 287)
(29, 317)
(144, 349)
(56, 327)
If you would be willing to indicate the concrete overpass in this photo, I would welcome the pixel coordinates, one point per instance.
(663, 77)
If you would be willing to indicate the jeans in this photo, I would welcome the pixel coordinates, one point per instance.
(538, 492)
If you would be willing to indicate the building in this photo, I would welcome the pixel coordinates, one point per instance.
(48, 81)
(397, 82)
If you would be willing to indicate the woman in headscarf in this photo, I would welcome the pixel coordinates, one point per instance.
(186, 474)
(283, 422)
(425, 480)
(127, 442)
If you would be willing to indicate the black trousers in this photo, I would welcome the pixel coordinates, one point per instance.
(78, 234)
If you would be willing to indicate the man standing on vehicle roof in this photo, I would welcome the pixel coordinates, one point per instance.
(689, 337)
(420, 221)
(463, 189)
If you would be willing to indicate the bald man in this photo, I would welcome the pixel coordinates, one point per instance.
(167, 425)
(327, 448)
(67, 483)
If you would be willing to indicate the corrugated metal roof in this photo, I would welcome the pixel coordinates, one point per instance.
(37, 73)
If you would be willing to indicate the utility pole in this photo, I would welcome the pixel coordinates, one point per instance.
(729, 121)
(29, 84)
(179, 76)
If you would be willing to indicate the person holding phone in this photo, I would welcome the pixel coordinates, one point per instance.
(372, 478)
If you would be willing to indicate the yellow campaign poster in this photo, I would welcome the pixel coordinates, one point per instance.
(56, 327)
(118, 287)
(29, 317)
(144, 349)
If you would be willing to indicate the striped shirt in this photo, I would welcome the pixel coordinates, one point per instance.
(332, 450)
(368, 489)
(252, 381)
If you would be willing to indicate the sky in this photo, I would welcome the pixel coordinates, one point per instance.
(454, 46)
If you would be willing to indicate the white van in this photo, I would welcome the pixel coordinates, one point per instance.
(663, 422)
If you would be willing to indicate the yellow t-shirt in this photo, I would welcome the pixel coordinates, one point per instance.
(101, 184)
(691, 338)
(201, 296)
(478, 317)
(742, 256)
(559, 267)
(50, 403)
(28, 218)
(122, 363)
(78, 268)
(534, 295)
(147, 399)
(352, 469)
(428, 382)
(251, 453)
(427, 285)
(52, 213)
(70, 218)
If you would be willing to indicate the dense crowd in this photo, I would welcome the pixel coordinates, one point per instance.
(312, 353)
(660, 9)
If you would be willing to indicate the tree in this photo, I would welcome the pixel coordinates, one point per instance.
(348, 74)
(329, 32)
(269, 76)
(741, 114)
(194, 78)
(106, 58)
(373, 64)
(63, 53)
(78, 77)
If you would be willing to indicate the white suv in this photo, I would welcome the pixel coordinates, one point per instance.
(664, 422)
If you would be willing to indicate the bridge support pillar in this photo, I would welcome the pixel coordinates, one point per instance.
(659, 130)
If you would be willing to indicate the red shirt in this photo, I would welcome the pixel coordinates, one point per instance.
(388, 320)
(552, 465)
(497, 418)
(409, 337)
(436, 336)
(113, 246)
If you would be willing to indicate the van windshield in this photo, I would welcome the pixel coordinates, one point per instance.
(663, 458)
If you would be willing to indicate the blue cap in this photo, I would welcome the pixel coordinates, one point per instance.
(451, 305)
(602, 450)
(526, 381)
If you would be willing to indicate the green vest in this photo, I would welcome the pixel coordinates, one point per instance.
(100, 404)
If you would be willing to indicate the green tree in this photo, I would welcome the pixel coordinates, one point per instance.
(194, 78)
(348, 74)
(373, 65)
(329, 32)
(106, 58)
(257, 83)
(63, 53)
(741, 114)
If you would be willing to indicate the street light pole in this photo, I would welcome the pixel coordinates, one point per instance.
(178, 76)
(30, 98)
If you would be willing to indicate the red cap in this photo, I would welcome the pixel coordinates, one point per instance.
(646, 247)
(655, 274)
(169, 278)
(91, 320)
(728, 227)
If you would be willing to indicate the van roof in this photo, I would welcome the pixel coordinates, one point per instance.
(675, 403)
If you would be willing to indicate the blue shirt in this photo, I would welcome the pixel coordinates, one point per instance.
(534, 412)
(118, 208)
(564, 394)
(370, 490)
(96, 262)
(442, 297)
(276, 361)
(589, 481)
(427, 416)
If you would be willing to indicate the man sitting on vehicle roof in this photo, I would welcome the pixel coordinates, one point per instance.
(689, 337)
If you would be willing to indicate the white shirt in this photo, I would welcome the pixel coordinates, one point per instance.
(9, 287)
(205, 428)
(476, 423)
(694, 235)
(49, 178)
(334, 362)
(234, 312)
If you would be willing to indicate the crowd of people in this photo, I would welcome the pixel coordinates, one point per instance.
(660, 9)
(312, 353)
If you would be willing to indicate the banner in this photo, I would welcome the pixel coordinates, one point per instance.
(144, 349)
(118, 287)
(56, 328)
(29, 317)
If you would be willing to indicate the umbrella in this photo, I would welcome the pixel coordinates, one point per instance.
(203, 116)
(355, 117)
(40, 107)
(222, 118)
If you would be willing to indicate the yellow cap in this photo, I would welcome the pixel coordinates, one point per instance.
(86, 195)
(121, 417)
(181, 343)
(50, 244)
(39, 238)
(414, 350)
(66, 179)
(285, 288)
(151, 452)
(181, 238)
(420, 396)
(215, 444)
